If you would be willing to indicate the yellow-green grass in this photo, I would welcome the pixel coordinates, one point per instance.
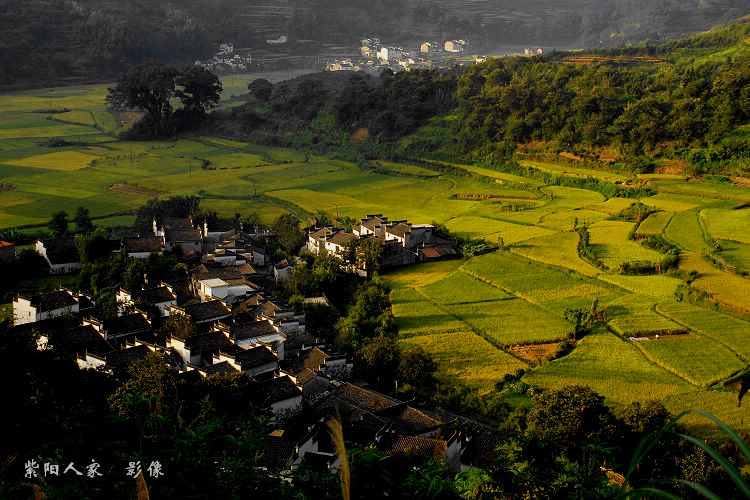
(232, 160)
(634, 315)
(709, 189)
(612, 205)
(699, 360)
(673, 202)
(614, 368)
(654, 286)
(573, 171)
(63, 160)
(721, 403)
(685, 230)
(518, 234)
(727, 288)
(558, 249)
(468, 357)
(422, 274)
(507, 192)
(736, 254)
(267, 212)
(650, 177)
(476, 227)
(460, 288)
(569, 198)
(512, 321)
(501, 175)
(580, 296)
(77, 117)
(416, 315)
(569, 219)
(517, 274)
(118, 220)
(728, 224)
(225, 142)
(58, 130)
(731, 331)
(655, 223)
(401, 168)
(609, 242)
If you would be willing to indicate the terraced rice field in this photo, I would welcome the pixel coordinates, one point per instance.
(460, 288)
(612, 367)
(452, 350)
(610, 243)
(655, 224)
(557, 249)
(699, 360)
(733, 225)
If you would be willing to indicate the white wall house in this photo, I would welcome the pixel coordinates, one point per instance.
(43, 306)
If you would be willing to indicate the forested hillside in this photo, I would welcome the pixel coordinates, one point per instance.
(55, 42)
(686, 99)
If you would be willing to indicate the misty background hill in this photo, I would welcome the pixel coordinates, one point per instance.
(47, 42)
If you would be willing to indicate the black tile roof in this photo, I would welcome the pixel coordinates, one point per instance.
(59, 244)
(207, 311)
(63, 257)
(219, 369)
(79, 340)
(248, 330)
(51, 301)
(255, 357)
(279, 389)
(207, 343)
(157, 295)
(180, 235)
(124, 357)
(125, 325)
(140, 245)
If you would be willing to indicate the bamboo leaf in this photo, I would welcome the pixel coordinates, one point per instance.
(734, 475)
(700, 489)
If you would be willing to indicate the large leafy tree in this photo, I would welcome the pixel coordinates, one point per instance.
(198, 89)
(59, 223)
(287, 230)
(148, 87)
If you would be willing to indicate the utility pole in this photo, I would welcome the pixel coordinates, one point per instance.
(337, 210)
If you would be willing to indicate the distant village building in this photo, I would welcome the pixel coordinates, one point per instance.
(390, 54)
(278, 41)
(429, 47)
(455, 45)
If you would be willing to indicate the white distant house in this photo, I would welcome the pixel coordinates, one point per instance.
(429, 47)
(278, 41)
(455, 45)
(390, 54)
(223, 288)
(43, 306)
(61, 255)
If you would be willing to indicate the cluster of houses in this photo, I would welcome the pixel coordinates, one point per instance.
(375, 56)
(238, 329)
(403, 243)
(225, 60)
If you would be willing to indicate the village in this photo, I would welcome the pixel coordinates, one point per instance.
(237, 327)
(376, 56)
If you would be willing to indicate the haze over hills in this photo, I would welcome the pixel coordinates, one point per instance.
(63, 41)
